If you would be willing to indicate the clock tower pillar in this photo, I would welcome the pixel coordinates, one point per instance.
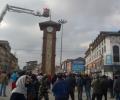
(49, 46)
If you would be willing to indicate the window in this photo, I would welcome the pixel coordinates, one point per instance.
(104, 48)
(115, 53)
(104, 41)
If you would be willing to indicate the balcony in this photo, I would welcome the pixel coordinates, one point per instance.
(116, 63)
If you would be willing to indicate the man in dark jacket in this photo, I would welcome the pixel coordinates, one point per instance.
(104, 86)
(80, 83)
(71, 81)
(60, 89)
(54, 78)
(110, 87)
(116, 87)
(43, 88)
(97, 91)
(87, 86)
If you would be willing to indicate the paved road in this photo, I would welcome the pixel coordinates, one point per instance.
(8, 92)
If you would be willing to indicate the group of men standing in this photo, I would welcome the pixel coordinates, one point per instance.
(35, 87)
(66, 85)
(96, 88)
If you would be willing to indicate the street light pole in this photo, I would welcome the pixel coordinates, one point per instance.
(61, 21)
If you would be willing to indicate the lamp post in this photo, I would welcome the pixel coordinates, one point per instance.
(61, 21)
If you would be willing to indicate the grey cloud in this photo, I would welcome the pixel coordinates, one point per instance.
(86, 18)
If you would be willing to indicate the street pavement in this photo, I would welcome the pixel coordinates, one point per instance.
(8, 92)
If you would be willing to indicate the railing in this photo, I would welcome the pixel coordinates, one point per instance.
(116, 63)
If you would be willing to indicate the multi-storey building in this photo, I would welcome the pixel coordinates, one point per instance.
(74, 65)
(8, 61)
(103, 54)
(30, 65)
(66, 65)
(13, 62)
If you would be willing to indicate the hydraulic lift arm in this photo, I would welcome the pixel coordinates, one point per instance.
(46, 12)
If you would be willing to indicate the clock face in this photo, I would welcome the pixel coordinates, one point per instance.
(49, 29)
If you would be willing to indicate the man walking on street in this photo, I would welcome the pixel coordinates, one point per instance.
(88, 86)
(110, 87)
(60, 88)
(97, 91)
(71, 81)
(43, 88)
(104, 86)
(79, 83)
(4, 83)
(116, 88)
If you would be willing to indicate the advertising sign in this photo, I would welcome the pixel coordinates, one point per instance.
(78, 67)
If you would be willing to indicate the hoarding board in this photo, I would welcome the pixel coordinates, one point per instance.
(78, 67)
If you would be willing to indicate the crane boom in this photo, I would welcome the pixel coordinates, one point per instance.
(3, 13)
(46, 12)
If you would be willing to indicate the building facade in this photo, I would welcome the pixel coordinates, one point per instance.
(8, 61)
(30, 65)
(13, 63)
(103, 54)
(74, 65)
(66, 66)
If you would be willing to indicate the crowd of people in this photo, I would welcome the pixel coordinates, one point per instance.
(28, 86)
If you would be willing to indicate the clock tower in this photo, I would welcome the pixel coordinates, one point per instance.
(49, 46)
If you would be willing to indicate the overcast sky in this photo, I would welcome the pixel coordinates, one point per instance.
(85, 20)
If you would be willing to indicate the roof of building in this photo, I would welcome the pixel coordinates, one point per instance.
(5, 44)
(109, 33)
(79, 58)
(101, 37)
